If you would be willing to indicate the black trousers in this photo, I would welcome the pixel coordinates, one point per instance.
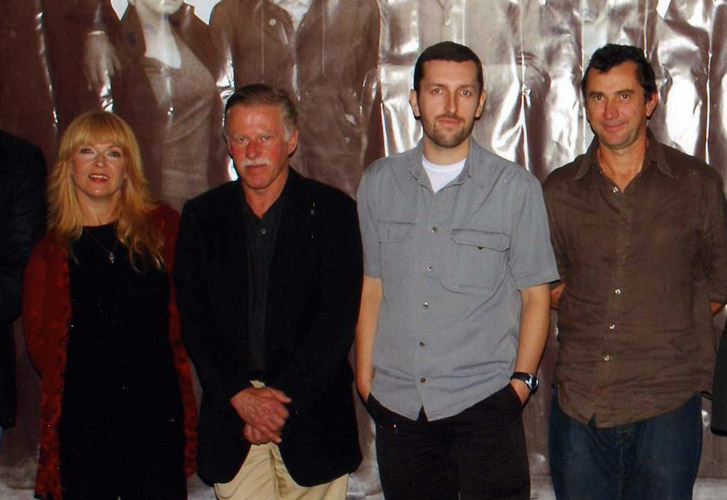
(477, 454)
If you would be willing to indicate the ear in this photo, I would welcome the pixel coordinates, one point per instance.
(227, 143)
(651, 103)
(414, 103)
(292, 141)
(481, 104)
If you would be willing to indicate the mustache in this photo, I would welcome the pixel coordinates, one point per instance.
(452, 116)
(247, 162)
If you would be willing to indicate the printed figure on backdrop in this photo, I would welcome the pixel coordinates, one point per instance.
(22, 223)
(455, 302)
(323, 52)
(268, 275)
(162, 70)
(118, 414)
(526, 60)
(639, 231)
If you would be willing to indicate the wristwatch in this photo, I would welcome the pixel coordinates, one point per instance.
(529, 378)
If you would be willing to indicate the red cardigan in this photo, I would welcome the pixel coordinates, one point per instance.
(46, 315)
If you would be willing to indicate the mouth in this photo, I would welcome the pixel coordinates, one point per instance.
(611, 127)
(449, 121)
(98, 177)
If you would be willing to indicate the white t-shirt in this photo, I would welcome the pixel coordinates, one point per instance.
(441, 175)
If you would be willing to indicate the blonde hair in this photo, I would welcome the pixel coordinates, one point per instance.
(135, 227)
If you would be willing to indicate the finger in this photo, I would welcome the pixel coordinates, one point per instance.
(281, 411)
(116, 62)
(280, 395)
(99, 77)
(269, 435)
(252, 435)
(276, 423)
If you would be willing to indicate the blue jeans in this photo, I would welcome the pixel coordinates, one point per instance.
(653, 459)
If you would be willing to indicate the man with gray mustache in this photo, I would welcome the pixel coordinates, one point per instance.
(268, 274)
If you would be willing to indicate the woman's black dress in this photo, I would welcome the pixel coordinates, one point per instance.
(121, 431)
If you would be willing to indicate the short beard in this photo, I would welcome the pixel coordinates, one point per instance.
(444, 141)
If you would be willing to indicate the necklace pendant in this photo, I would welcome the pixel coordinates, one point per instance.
(112, 257)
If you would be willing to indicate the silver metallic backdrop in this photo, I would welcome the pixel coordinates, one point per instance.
(349, 63)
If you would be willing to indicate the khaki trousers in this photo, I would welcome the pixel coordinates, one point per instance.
(263, 476)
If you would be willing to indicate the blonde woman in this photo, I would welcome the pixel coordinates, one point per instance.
(101, 324)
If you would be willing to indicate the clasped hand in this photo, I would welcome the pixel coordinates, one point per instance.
(264, 413)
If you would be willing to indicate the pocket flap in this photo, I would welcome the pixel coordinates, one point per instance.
(481, 239)
(396, 231)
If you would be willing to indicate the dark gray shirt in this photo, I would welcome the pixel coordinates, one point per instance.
(260, 237)
(452, 264)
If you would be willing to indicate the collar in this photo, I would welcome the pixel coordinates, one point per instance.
(279, 201)
(417, 169)
(654, 155)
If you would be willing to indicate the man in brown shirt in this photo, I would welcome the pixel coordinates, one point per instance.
(640, 238)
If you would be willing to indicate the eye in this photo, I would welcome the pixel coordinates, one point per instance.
(625, 96)
(115, 153)
(436, 90)
(239, 140)
(265, 138)
(467, 93)
(85, 150)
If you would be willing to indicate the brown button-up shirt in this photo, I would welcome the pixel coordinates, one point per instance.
(640, 267)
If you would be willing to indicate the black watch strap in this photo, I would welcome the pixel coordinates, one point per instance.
(530, 379)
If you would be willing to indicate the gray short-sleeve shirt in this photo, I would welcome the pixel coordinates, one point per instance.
(451, 264)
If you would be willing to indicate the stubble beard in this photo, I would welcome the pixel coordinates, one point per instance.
(444, 140)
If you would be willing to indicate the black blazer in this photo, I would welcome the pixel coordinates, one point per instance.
(22, 223)
(313, 301)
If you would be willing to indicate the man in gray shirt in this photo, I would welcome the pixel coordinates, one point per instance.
(454, 314)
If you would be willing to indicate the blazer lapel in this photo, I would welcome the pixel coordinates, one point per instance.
(234, 242)
(294, 223)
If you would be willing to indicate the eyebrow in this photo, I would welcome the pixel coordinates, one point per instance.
(616, 92)
(458, 87)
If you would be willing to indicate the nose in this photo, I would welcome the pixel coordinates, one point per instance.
(253, 150)
(452, 103)
(100, 160)
(609, 109)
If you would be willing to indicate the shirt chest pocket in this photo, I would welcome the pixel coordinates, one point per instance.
(476, 259)
(395, 239)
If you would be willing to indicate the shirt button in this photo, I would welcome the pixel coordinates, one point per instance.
(617, 291)
(429, 268)
(447, 22)
(611, 327)
(263, 231)
(435, 229)
(272, 22)
(423, 380)
(425, 305)
(422, 344)
(607, 358)
(615, 189)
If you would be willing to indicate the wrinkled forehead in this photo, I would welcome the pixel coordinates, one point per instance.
(251, 112)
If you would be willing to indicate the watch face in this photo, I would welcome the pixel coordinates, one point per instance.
(533, 383)
(528, 378)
